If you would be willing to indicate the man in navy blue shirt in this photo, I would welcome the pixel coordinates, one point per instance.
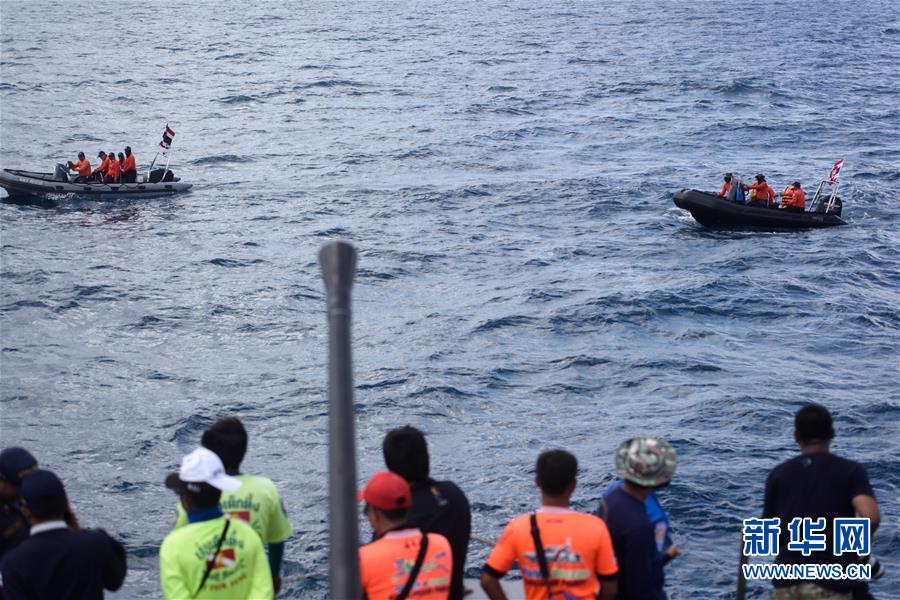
(818, 484)
(15, 465)
(59, 561)
(644, 464)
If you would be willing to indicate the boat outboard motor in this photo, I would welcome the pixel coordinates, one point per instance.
(60, 173)
(836, 207)
(162, 175)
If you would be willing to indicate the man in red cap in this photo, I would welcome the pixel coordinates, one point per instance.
(402, 561)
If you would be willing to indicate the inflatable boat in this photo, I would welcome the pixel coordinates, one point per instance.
(714, 211)
(28, 183)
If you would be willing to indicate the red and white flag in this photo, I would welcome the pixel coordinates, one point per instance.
(835, 171)
(168, 134)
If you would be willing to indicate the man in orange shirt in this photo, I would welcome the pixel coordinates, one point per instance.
(100, 173)
(725, 186)
(129, 167)
(82, 167)
(562, 554)
(794, 198)
(112, 169)
(764, 194)
(402, 562)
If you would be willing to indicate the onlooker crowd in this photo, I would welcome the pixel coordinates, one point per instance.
(231, 528)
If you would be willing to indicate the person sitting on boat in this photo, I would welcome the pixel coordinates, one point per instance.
(129, 167)
(793, 198)
(761, 193)
(100, 173)
(82, 167)
(112, 170)
(726, 186)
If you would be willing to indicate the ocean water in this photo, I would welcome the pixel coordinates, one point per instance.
(525, 282)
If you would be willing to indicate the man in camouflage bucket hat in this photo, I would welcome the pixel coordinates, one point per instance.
(647, 462)
(644, 464)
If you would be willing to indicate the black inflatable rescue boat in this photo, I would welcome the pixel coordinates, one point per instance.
(713, 211)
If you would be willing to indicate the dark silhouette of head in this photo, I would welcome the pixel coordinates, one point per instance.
(81, 155)
(812, 423)
(127, 150)
(228, 439)
(555, 471)
(406, 453)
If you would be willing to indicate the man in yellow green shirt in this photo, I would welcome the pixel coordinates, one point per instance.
(256, 502)
(213, 556)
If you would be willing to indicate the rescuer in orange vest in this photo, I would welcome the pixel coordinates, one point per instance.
(112, 170)
(82, 167)
(129, 167)
(763, 194)
(793, 198)
(100, 173)
(726, 186)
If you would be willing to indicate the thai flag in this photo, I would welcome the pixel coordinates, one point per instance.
(168, 134)
(835, 171)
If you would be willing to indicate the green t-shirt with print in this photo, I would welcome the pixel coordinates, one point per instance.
(256, 502)
(241, 569)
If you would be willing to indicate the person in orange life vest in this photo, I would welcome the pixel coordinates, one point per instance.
(129, 167)
(82, 167)
(764, 194)
(385, 564)
(579, 554)
(726, 186)
(793, 198)
(112, 169)
(100, 172)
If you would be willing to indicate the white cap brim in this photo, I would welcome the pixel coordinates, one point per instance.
(226, 483)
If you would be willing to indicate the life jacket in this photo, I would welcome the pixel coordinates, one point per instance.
(798, 199)
(82, 167)
(129, 163)
(763, 193)
(103, 165)
(113, 170)
(725, 188)
(787, 194)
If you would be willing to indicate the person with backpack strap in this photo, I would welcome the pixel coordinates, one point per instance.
(214, 556)
(562, 554)
(402, 562)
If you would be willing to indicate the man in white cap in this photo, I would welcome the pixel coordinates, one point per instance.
(213, 556)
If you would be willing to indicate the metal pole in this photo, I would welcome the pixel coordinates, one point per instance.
(831, 198)
(153, 162)
(338, 262)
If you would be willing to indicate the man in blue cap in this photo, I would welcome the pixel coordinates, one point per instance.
(59, 561)
(15, 465)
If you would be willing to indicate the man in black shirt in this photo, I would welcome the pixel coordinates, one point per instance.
(437, 506)
(59, 561)
(818, 484)
(15, 465)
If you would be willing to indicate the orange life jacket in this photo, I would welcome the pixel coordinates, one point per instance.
(113, 170)
(764, 193)
(787, 194)
(725, 188)
(798, 199)
(82, 167)
(129, 163)
(103, 165)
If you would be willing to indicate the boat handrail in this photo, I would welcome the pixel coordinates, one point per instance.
(821, 193)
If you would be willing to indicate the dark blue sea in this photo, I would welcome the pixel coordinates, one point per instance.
(506, 171)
